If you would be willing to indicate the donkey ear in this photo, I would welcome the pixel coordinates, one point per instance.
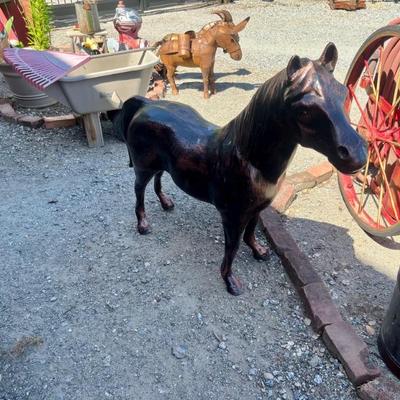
(329, 57)
(293, 66)
(240, 26)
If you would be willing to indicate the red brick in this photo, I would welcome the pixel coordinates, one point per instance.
(29, 120)
(301, 181)
(160, 88)
(343, 343)
(295, 262)
(380, 389)
(319, 305)
(60, 121)
(8, 112)
(152, 95)
(321, 172)
(284, 197)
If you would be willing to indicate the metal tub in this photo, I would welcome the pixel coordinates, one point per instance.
(106, 81)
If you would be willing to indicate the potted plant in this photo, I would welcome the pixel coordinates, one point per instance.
(38, 24)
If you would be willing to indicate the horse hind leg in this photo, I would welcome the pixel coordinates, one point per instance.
(171, 78)
(142, 179)
(166, 202)
(249, 237)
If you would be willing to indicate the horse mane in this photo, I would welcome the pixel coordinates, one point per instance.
(263, 114)
(211, 25)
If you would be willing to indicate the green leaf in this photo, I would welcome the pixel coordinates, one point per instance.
(8, 25)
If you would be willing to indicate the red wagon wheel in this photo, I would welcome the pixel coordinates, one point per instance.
(373, 106)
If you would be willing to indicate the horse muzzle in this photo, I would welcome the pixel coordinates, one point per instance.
(350, 158)
(236, 55)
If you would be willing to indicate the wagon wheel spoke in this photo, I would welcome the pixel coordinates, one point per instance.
(378, 218)
(389, 190)
(361, 204)
(360, 108)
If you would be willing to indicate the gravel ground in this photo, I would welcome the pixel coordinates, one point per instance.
(92, 310)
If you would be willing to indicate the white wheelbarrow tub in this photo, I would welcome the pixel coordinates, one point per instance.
(106, 81)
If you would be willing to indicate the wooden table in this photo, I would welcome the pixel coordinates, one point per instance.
(76, 35)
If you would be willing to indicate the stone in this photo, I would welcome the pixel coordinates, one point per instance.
(295, 262)
(59, 121)
(370, 330)
(302, 180)
(284, 197)
(317, 379)
(179, 351)
(31, 121)
(268, 376)
(315, 361)
(352, 352)
(8, 112)
(222, 346)
(321, 172)
(319, 305)
(380, 389)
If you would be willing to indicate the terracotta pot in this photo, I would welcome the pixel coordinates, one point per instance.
(26, 95)
(389, 336)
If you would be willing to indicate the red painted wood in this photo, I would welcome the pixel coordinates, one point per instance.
(12, 9)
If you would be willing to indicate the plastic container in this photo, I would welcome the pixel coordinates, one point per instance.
(106, 81)
(25, 94)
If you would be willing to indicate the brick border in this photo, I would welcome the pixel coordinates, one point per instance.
(60, 121)
(338, 336)
(295, 183)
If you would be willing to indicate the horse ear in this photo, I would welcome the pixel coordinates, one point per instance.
(240, 26)
(329, 57)
(293, 66)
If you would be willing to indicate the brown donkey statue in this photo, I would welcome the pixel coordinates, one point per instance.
(239, 167)
(196, 50)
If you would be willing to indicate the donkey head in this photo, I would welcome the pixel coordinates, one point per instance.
(316, 111)
(227, 34)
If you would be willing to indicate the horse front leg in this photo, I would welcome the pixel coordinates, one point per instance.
(205, 72)
(259, 252)
(213, 90)
(171, 78)
(233, 230)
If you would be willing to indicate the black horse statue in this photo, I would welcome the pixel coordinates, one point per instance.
(239, 167)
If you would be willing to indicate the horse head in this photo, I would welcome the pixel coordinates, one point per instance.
(227, 34)
(316, 111)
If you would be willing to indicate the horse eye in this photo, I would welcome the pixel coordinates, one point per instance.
(305, 115)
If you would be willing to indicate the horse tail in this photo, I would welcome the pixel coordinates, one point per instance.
(122, 118)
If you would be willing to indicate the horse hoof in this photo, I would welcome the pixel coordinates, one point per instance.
(168, 205)
(234, 286)
(261, 253)
(143, 228)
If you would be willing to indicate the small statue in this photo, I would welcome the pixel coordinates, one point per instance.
(197, 50)
(128, 22)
